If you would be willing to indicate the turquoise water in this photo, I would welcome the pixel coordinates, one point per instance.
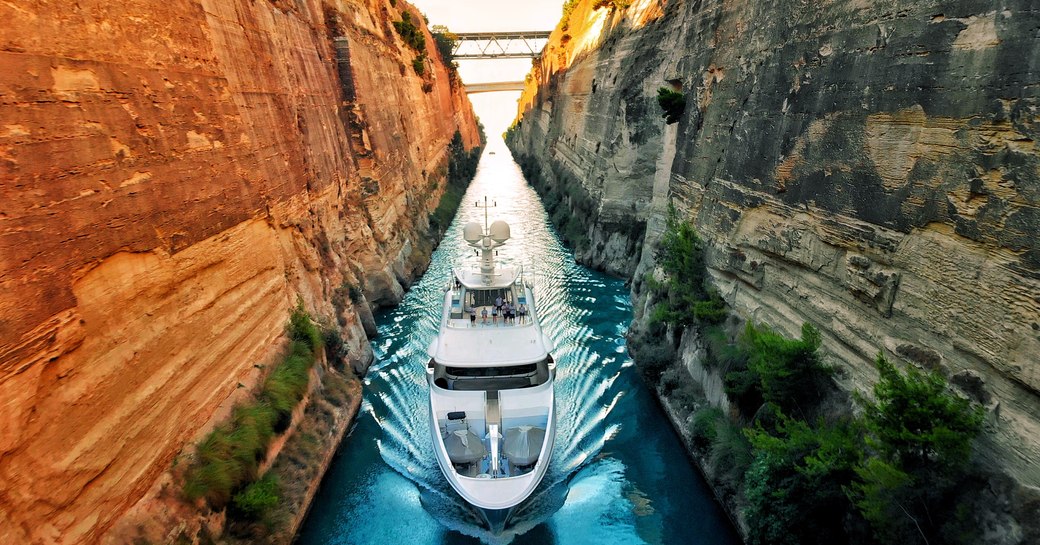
(618, 473)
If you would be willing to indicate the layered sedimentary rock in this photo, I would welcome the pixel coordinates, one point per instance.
(869, 167)
(176, 175)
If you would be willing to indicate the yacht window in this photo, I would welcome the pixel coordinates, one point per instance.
(487, 298)
(513, 370)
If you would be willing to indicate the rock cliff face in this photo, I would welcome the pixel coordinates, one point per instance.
(870, 167)
(175, 175)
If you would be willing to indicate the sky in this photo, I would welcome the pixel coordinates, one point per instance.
(492, 15)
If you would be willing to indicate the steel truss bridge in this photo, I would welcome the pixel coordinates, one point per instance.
(500, 45)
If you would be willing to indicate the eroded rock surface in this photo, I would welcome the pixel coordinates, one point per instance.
(175, 175)
(870, 167)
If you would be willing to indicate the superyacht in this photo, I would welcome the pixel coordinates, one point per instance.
(491, 376)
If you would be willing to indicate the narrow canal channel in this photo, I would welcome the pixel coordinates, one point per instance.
(619, 473)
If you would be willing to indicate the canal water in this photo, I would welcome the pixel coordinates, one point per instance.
(618, 472)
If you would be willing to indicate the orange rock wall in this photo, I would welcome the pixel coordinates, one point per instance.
(173, 176)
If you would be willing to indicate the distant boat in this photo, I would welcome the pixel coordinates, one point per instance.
(491, 153)
(491, 374)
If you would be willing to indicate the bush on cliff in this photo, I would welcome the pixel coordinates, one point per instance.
(688, 298)
(703, 426)
(890, 476)
(229, 458)
(257, 499)
(795, 488)
(411, 34)
(787, 373)
(419, 64)
(673, 104)
(445, 40)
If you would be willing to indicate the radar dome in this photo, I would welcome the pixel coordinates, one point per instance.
(472, 232)
(499, 231)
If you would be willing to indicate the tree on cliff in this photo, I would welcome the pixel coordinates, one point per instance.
(689, 299)
(445, 40)
(795, 486)
(786, 373)
(411, 34)
(920, 439)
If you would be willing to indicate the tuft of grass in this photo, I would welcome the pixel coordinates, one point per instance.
(731, 454)
(227, 461)
(302, 329)
(256, 500)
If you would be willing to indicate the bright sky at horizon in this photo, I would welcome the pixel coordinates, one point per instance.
(492, 15)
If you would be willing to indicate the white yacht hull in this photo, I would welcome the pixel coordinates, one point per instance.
(493, 494)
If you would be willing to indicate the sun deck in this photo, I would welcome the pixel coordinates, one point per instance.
(495, 434)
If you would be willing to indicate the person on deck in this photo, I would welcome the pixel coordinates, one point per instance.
(494, 314)
(483, 315)
(523, 313)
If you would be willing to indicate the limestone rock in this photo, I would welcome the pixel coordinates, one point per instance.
(176, 175)
(870, 167)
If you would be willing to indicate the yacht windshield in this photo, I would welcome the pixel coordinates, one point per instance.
(491, 377)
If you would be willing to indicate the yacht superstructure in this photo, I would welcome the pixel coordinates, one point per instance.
(491, 379)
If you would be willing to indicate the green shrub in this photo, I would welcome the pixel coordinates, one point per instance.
(688, 299)
(673, 104)
(301, 328)
(419, 64)
(703, 426)
(257, 499)
(228, 459)
(789, 371)
(411, 34)
(920, 437)
(795, 488)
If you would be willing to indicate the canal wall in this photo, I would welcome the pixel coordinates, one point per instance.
(177, 176)
(868, 167)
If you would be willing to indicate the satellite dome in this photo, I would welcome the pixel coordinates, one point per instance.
(472, 232)
(499, 231)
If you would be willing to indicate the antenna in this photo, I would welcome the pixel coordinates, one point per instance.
(486, 206)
